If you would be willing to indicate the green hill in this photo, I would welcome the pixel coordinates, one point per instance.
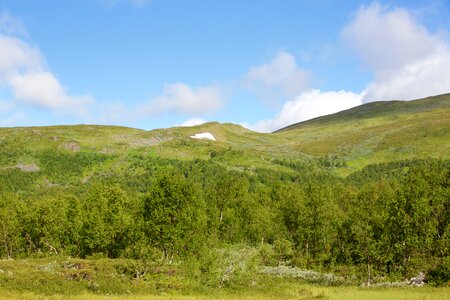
(346, 141)
(165, 212)
(377, 132)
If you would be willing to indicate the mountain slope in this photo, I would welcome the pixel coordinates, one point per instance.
(346, 141)
(377, 132)
(377, 109)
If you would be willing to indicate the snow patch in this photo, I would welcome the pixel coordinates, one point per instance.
(203, 136)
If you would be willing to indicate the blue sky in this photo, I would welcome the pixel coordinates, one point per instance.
(263, 64)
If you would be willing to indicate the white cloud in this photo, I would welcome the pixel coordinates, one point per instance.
(308, 105)
(16, 55)
(192, 122)
(42, 89)
(181, 98)
(408, 62)
(281, 77)
(24, 75)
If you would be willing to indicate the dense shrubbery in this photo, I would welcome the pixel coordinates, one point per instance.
(386, 220)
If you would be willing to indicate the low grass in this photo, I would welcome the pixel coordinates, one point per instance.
(376, 133)
(285, 291)
(69, 278)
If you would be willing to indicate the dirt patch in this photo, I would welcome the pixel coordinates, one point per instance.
(76, 271)
(71, 146)
(47, 183)
(150, 142)
(106, 151)
(27, 167)
(86, 179)
(144, 140)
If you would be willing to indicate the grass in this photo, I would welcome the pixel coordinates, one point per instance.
(290, 291)
(377, 132)
(69, 278)
(372, 133)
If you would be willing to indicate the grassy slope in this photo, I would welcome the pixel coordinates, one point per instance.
(236, 147)
(377, 132)
(372, 133)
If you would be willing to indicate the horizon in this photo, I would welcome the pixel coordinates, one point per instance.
(217, 122)
(151, 64)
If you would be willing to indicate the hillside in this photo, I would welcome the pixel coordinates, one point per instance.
(377, 132)
(174, 213)
(344, 142)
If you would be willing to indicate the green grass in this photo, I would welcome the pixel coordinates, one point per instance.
(377, 132)
(68, 278)
(371, 133)
(285, 291)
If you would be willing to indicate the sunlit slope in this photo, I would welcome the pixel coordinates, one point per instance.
(79, 152)
(343, 142)
(377, 132)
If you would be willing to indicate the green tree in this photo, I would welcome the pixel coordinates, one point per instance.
(9, 226)
(174, 214)
(106, 222)
(410, 224)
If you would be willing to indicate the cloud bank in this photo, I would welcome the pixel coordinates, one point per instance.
(407, 61)
(308, 105)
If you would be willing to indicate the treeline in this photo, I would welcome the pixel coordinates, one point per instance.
(389, 219)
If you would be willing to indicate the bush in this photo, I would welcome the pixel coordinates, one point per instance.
(440, 274)
(283, 251)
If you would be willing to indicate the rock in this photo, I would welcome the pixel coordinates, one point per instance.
(71, 146)
(28, 167)
(419, 280)
(106, 151)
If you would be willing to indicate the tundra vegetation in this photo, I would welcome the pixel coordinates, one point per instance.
(124, 211)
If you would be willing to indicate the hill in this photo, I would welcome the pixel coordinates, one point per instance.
(344, 142)
(176, 212)
(377, 132)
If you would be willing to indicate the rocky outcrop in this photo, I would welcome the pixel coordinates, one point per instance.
(419, 280)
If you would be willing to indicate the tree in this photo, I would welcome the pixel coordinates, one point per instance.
(410, 224)
(174, 214)
(9, 226)
(106, 222)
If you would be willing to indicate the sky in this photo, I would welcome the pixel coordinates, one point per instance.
(263, 64)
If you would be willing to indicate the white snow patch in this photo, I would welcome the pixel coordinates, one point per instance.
(203, 136)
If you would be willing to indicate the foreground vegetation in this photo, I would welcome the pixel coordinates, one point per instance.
(69, 278)
(98, 210)
(389, 220)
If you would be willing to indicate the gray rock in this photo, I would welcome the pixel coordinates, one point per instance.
(419, 280)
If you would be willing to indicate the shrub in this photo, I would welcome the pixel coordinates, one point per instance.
(440, 274)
